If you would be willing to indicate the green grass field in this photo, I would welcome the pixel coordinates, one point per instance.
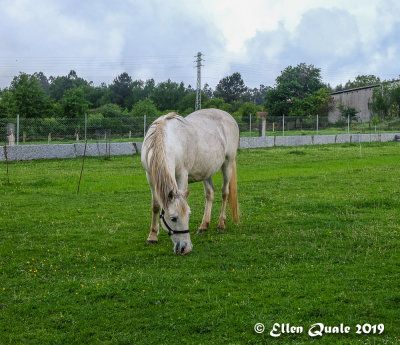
(318, 242)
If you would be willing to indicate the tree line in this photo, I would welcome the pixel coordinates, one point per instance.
(298, 91)
(70, 96)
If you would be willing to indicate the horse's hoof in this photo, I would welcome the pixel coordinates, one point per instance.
(219, 229)
(200, 231)
(151, 241)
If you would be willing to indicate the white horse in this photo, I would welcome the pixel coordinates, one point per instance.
(177, 151)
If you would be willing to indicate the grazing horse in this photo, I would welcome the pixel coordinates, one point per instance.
(177, 151)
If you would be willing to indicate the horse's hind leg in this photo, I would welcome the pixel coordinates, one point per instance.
(226, 175)
(209, 191)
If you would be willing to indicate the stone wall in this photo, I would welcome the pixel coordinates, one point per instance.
(30, 152)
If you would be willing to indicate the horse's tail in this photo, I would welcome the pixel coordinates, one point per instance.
(232, 198)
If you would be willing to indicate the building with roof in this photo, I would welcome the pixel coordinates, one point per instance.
(358, 98)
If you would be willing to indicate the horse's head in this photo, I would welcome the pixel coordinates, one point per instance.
(175, 219)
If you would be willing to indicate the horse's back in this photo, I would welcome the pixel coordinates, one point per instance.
(216, 127)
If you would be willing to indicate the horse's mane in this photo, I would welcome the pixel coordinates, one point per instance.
(162, 179)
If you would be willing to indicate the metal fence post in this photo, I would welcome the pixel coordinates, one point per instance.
(144, 125)
(17, 129)
(85, 127)
(250, 124)
(283, 125)
(317, 123)
(348, 124)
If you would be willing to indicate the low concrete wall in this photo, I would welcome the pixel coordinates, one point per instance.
(256, 142)
(30, 152)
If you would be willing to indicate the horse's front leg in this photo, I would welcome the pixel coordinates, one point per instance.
(209, 192)
(155, 227)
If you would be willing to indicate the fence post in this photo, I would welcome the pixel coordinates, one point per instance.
(144, 125)
(317, 123)
(348, 124)
(283, 125)
(17, 129)
(85, 127)
(250, 124)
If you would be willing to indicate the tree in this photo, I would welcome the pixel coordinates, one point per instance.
(246, 109)
(362, 80)
(348, 113)
(395, 100)
(149, 87)
(8, 106)
(121, 90)
(318, 102)
(29, 97)
(145, 107)
(97, 96)
(137, 93)
(188, 102)
(293, 83)
(74, 103)
(218, 103)
(257, 95)
(109, 110)
(231, 88)
(43, 81)
(208, 91)
(167, 95)
(386, 100)
(59, 85)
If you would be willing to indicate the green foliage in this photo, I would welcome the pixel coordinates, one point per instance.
(28, 98)
(314, 103)
(188, 102)
(246, 109)
(293, 83)
(121, 90)
(74, 103)
(43, 81)
(348, 112)
(167, 95)
(8, 106)
(386, 100)
(109, 110)
(145, 107)
(218, 103)
(231, 88)
(362, 80)
(97, 96)
(59, 85)
(375, 120)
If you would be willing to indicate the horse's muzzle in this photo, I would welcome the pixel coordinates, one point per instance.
(183, 247)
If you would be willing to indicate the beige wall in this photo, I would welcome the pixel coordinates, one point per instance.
(356, 98)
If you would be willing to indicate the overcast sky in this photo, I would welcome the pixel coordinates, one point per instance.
(160, 38)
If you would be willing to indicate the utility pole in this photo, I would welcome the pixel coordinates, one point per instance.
(198, 88)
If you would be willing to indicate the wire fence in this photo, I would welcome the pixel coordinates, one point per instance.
(21, 131)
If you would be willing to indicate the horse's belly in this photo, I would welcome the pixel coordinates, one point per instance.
(197, 177)
(205, 168)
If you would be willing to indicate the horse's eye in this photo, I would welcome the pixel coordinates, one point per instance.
(173, 219)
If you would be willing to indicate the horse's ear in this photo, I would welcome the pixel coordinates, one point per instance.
(186, 194)
(170, 195)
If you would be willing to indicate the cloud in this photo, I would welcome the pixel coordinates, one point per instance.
(158, 39)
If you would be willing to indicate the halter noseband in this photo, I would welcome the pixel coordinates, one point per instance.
(170, 231)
